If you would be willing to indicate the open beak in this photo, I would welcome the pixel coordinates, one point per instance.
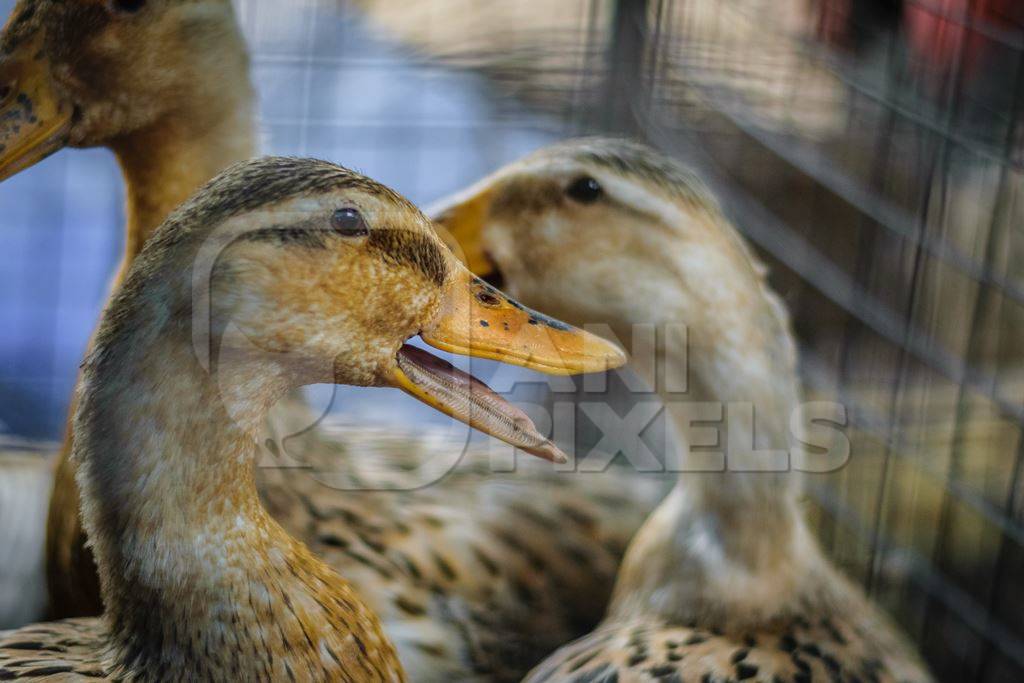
(475, 319)
(34, 119)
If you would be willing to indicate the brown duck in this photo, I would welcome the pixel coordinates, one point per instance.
(724, 581)
(167, 89)
(319, 275)
(471, 576)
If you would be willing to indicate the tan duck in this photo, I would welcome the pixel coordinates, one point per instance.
(471, 576)
(707, 55)
(167, 89)
(319, 275)
(724, 581)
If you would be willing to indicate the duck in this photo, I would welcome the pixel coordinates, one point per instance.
(278, 273)
(166, 87)
(712, 57)
(470, 576)
(472, 593)
(724, 581)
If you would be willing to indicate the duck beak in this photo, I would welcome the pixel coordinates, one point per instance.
(475, 319)
(462, 218)
(34, 119)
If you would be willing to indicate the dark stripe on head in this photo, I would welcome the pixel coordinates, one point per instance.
(413, 249)
(253, 184)
(245, 187)
(290, 235)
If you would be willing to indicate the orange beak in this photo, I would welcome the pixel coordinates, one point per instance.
(475, 319)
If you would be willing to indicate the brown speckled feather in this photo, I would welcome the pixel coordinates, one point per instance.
(480, 575)
(57, 651)
(728, 548)
(801, 651)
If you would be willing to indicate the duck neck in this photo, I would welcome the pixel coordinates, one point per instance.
(167, 161)
(196, 578)
(726, 546)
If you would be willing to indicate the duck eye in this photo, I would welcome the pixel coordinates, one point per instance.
(127, 6)
(349, 222)
(585, 190)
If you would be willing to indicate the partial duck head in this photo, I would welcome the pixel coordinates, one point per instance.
(89, 72)
(278, 273)
(603, 230)
(610, 231)
(324, 274)
(163, 83)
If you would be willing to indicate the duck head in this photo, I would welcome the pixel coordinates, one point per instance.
(591, 227)
(324, 275)
(610, 231)
(91, 72)
(602, 230)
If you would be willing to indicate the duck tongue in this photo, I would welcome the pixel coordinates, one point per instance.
(469, 400)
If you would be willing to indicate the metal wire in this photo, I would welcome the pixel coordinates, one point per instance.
(910, 301)
(885, 188)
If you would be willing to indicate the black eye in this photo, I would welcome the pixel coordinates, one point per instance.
(585, 190)
(127, 6)
(349, 222)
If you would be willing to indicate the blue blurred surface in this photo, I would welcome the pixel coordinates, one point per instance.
(329, 89)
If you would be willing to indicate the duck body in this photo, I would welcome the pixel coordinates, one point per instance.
(815, 627)
(724, 580)
(481, 590)
(481, 593)
(198, 580)
(795, 652)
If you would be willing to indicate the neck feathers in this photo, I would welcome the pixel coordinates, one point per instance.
(165, 163)
(727, 547)
(198, 581)
(741, 361)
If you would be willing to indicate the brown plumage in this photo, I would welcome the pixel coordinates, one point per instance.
(199, 582)
(478, 590)
(168, 90)
(55, 651)
(500, 613)
(724, 581)
(798, 651)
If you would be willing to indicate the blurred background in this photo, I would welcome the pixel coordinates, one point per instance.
(870, 149)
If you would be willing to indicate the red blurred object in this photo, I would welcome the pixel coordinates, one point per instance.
(834, 18)
(941, 33)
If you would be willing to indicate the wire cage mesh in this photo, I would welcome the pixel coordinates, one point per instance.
(870, 150)
(327, 87)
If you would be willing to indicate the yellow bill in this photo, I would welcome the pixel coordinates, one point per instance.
(475, 319)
